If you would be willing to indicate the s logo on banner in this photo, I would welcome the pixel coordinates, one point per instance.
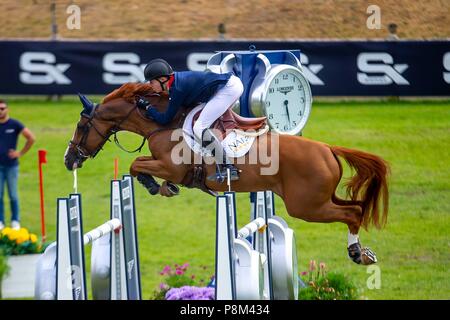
(41, 68)
(446, 64)
(127, 64)
(391, 73)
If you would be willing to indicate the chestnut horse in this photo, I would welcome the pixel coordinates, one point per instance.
(308, 174)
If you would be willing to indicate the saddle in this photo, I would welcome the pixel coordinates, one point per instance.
(236, 127)
(230, 120)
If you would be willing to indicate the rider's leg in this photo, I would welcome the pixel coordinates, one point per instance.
(219, 103)
(223, 163)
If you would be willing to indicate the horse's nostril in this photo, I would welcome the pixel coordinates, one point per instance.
(68, 165)
(69, 160)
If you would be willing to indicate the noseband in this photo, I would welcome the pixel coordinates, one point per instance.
(86, 128)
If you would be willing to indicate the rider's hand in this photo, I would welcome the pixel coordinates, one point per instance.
(141, 103)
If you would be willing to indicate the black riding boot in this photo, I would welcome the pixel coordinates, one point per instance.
(223, 163)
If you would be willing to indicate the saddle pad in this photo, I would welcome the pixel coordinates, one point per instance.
(236, 144)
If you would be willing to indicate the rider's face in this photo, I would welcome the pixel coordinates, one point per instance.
(157, 86)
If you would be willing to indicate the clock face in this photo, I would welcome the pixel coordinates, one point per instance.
(287, 101)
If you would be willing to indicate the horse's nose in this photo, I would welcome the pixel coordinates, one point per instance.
(70, 159)
(68, 162)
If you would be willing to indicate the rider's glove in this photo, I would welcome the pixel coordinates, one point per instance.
(141, 103)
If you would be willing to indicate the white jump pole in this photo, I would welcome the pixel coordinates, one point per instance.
(251, 228)
(100, 231)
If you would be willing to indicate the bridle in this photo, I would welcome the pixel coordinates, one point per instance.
(85, 128)
(80, 147)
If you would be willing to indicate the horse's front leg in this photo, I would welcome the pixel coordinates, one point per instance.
(143, 168)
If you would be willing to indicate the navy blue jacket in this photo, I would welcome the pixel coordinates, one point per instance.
(188, 90)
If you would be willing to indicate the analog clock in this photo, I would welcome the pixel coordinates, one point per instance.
(284, 98)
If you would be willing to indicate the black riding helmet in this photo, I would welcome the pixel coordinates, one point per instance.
(157, 68)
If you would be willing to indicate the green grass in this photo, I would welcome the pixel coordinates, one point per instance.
(413, 250)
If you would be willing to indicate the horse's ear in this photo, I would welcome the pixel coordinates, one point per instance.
(88, 105)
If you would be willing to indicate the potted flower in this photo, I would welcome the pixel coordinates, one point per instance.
(22, 250)
(3, 269)
(19, 241)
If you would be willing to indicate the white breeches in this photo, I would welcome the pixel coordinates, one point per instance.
(219, 103)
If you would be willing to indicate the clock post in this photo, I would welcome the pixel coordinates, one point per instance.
(275, 87)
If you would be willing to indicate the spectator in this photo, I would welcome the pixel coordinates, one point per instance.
(222, 31)
(9, 164)
(392, 27)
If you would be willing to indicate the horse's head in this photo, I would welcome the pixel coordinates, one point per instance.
(99, 121)
(90, 135)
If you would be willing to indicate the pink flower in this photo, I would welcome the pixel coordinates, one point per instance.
(304, 273)
(166, 270)
(312, 265)
(322, 265)
(179, 272)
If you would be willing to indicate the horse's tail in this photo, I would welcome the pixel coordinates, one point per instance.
(369, 182)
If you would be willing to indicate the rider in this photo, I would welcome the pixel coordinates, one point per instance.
(188, 89)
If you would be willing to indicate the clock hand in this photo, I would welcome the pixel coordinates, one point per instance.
(287, 111)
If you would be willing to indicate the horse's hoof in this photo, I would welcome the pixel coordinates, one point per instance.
(149, 183)
(168, 189)
(354, 252)
(368, 256)
(173, 188)
(361, 256)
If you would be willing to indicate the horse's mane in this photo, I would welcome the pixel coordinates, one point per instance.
(128, 91)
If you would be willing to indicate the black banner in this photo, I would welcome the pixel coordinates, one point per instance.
(334, 68)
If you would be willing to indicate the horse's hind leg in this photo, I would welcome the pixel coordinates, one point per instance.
(328, 212)
(348, 212)
(355, 252)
